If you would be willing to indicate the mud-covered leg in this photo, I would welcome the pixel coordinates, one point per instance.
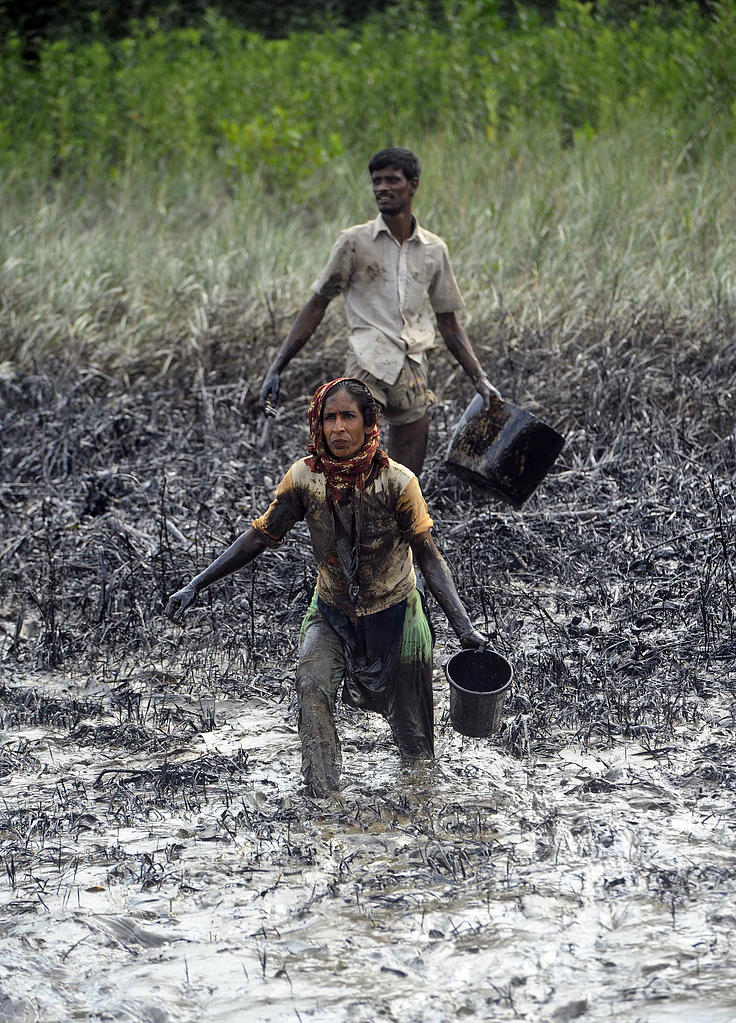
(410, 706)
(319, 673)
(407, 443)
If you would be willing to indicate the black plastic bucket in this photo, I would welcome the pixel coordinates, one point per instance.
(479, 681)
(503, 449)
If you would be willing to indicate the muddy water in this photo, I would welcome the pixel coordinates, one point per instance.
(589, 883)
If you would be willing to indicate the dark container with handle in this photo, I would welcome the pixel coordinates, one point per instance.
(504, 450)
(479, 682)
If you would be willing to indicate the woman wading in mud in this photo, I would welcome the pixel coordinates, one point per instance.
(366, 626)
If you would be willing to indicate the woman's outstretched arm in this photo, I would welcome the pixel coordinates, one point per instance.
(245, 549)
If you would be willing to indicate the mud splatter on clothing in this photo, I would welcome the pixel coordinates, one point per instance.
(384, 662)
(391, 291)
(394, 511)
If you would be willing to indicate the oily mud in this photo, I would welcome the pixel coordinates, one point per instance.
(160, 859)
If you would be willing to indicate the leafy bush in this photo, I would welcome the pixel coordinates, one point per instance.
(276, 110)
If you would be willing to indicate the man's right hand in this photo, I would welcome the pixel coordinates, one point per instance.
(270, 392)
(180, 601)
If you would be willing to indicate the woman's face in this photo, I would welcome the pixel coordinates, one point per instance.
(342, 422)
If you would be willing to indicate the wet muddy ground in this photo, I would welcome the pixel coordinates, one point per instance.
(160, 860)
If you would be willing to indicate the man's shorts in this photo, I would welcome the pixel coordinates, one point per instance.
(404, 401)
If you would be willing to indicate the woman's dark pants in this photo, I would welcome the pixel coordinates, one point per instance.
(406, 702)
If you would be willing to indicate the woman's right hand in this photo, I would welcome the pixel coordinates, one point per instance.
(180, 601)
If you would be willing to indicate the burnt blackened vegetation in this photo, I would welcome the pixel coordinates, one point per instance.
(142, 732)
(611, 590)
(95, 482)
(24, 706)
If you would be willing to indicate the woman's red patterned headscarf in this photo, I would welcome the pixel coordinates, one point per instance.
(342, 474)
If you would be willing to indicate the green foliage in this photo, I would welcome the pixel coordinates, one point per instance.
(277, 110)
(279, 150)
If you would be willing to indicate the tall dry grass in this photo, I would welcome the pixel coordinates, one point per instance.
(163, 269)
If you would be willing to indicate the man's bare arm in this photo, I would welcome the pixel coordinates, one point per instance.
(308, 319)
(459, 346)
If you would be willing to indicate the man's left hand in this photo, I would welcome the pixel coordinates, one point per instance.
(486, 390)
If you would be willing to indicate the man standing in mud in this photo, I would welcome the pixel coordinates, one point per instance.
(394, 275)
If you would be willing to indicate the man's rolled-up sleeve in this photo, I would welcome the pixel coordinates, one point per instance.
(335, 277)
(444, 293)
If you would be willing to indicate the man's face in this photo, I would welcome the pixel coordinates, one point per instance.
(393, 191)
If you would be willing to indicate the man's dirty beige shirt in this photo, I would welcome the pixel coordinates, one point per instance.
(391, 292)
(394, 511)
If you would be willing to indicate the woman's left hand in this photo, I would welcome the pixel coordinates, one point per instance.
(473, 640)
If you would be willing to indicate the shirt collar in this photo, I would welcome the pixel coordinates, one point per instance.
(417, 235)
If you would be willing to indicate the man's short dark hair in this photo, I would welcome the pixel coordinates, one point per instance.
(403, 159)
